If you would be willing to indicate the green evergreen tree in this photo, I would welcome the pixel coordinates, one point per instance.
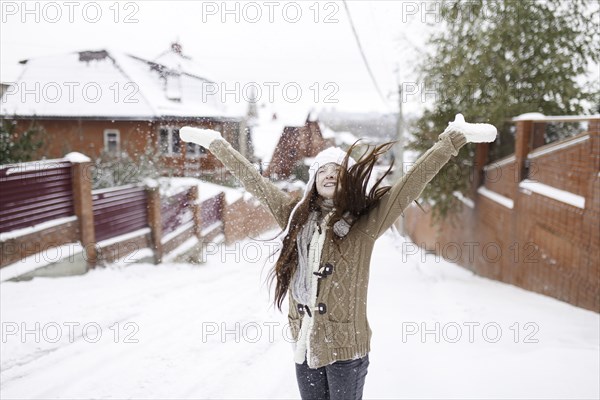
(16, 147)
(495, 60)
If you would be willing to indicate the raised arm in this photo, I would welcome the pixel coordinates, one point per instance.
(278, 202)
(411, 185)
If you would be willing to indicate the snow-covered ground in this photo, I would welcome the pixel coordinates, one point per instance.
(198, 332)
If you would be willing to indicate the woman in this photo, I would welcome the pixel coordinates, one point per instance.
(327, 242)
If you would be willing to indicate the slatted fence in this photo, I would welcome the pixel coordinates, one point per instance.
(32, 193)
(119, 210)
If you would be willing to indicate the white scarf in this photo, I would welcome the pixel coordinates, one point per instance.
(300, 281)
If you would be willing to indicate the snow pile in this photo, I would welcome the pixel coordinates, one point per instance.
(533, 116)
(554, 118)
(498, 198)
(34, 166)
(467, 201)
(206, 190)
(563, 196)
(75, 157)
(474, 132)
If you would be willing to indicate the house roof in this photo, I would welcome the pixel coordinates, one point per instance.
(269, 126)
(111, 84)
(343, 138)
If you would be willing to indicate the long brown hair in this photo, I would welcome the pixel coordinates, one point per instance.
(350, 196)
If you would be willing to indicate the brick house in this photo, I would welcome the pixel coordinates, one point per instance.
(105, 101)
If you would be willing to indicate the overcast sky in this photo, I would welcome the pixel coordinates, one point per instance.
(303, 44)
(307, 44)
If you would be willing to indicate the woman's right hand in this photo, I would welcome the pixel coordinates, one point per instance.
(203, 137)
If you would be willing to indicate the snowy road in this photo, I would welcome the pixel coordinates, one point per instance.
(199, 332)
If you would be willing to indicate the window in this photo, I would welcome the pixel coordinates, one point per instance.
(176, 142)
(169, 142)
(163, 141)
(193, 150)
(112, 141)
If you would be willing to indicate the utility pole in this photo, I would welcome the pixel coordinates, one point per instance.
(399, 148)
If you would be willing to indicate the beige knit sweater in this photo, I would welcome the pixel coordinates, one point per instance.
(341, 331)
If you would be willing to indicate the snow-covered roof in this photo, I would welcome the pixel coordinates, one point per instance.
(176, 61)
(267, 130)
(341, 138)
(111, 84)
(265, 137)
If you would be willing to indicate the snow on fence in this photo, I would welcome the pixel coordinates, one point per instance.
(119, 210)
(176, 211)
(33, 193)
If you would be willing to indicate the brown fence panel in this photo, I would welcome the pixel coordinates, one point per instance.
(31, 194)
(176, 211)
(211, 210)
(119, 210)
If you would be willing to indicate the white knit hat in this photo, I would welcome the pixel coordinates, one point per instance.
(327, 156)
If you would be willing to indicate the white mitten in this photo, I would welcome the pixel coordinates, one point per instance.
(203, 137)
(474, 133)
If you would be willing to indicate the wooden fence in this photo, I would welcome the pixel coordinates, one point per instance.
(103, 221)
(532, 219)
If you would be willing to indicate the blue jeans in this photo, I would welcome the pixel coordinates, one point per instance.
(342, 380)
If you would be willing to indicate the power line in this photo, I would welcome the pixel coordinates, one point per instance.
(364, 57)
